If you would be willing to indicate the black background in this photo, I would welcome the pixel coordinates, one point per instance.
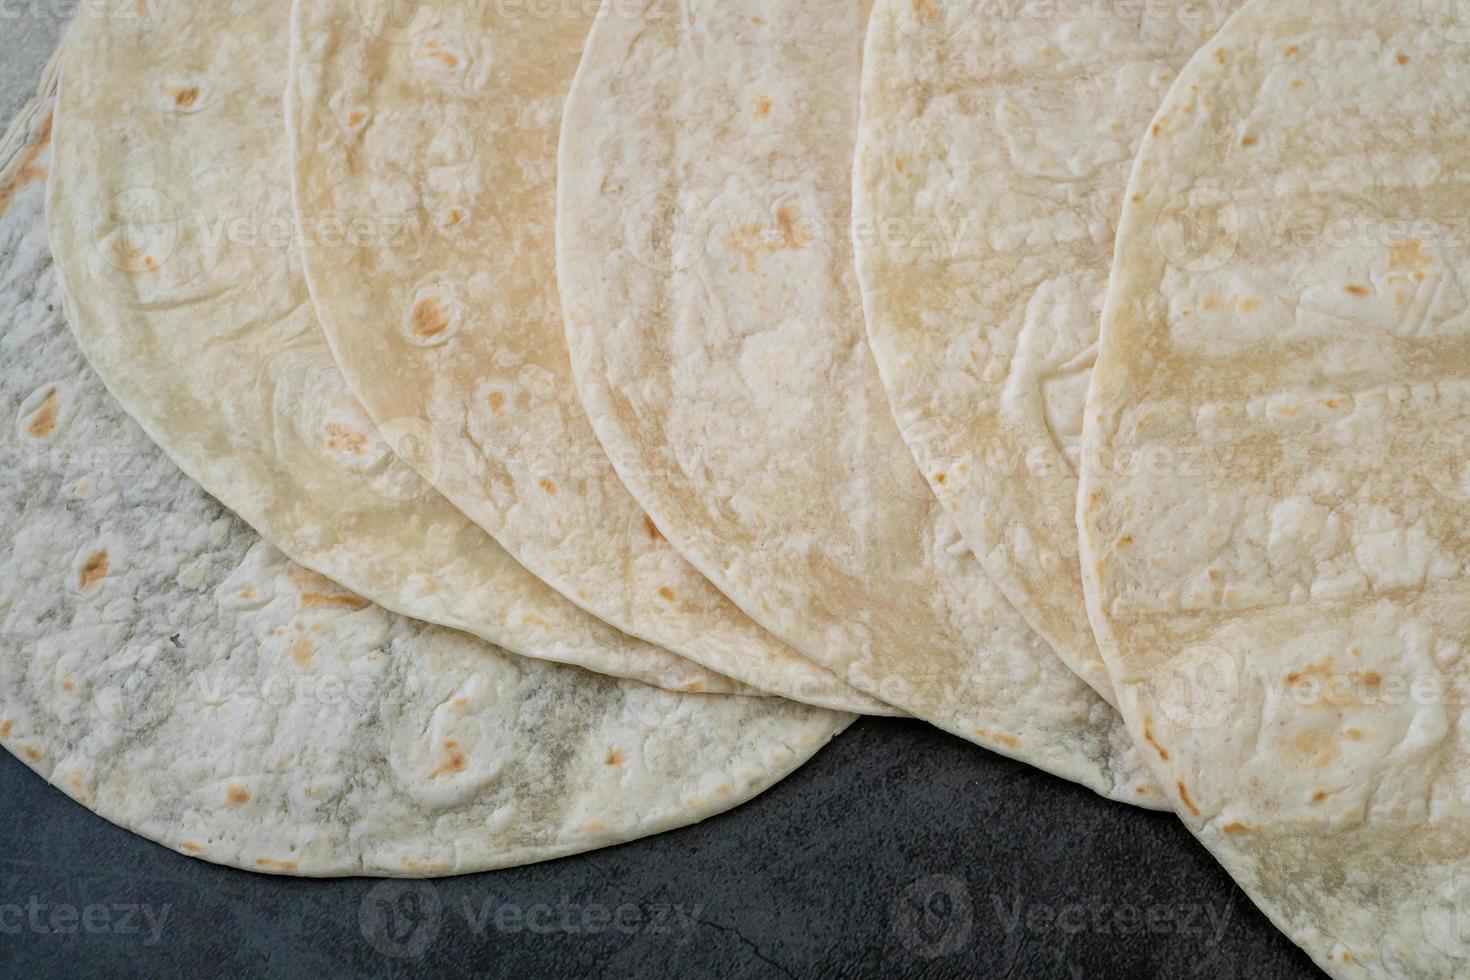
(898, 851)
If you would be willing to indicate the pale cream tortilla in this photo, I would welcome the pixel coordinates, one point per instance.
(714, 321)
(169, 670)
(994, 147)
(174, 232)
(448, 122)
(1274, 512)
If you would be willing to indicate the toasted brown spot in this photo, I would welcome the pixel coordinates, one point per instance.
(237, 795)
(650, 528)
(354, 117)
(1248, 141)
(32, 754)
(694, 687)
(43, 419)
(1126, 541)
(1318, 746)
(1141, 790)
(460, 704)
(1148, 736)
(724, 789)
(615, 757)
(278, 865)
(1184, 798)
(762, 107)
(1402, 59)
(752, 241)
(1296, 84)
(927, 10)
(191, 847)
(454, 218)
(185, 97)
(1352, 734)
(1234, 827)
(939, 478)
(93, 570)
(667, 593)
(446, 58)
(548, 485)
(1292, 51)
(789, 220)
(301, 651)
(430, 319)
(323, 600)
(1220, 55)
(454, 764)
(1407, 255)
(5, 727)
(1318, 796)
(758, 21)
(497, 400)
(27, 171)
(1354, 290)
(1250, 304)
(1009, 741)
(346, 440)
(68, 685)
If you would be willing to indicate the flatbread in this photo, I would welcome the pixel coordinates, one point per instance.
(1274, 532)
(172, 225)
(166, 668)
(995, 143)
(446, 122)
(713, 316)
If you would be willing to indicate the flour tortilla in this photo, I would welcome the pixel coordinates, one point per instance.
(716, 333)
(994, 148)
(1274, 532)
(447, 122)
(166, 668)
(173, 229)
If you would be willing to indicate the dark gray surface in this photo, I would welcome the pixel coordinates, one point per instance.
(899, 851)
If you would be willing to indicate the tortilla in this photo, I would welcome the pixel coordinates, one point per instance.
(1274, 517)
(994, 148)
(173, 230)
(166, 668)
(714, 321)
(446, 123)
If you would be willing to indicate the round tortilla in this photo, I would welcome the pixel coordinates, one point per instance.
(715, 327)
(1274, 524)
(994, 147)
(171, 217)
(166, 668)
(446, 124)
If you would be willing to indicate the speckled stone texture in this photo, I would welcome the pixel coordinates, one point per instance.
(899, 851)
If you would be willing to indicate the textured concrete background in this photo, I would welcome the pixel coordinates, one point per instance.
(898, 851)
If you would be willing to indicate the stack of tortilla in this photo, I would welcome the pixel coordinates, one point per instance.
(529, 429)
